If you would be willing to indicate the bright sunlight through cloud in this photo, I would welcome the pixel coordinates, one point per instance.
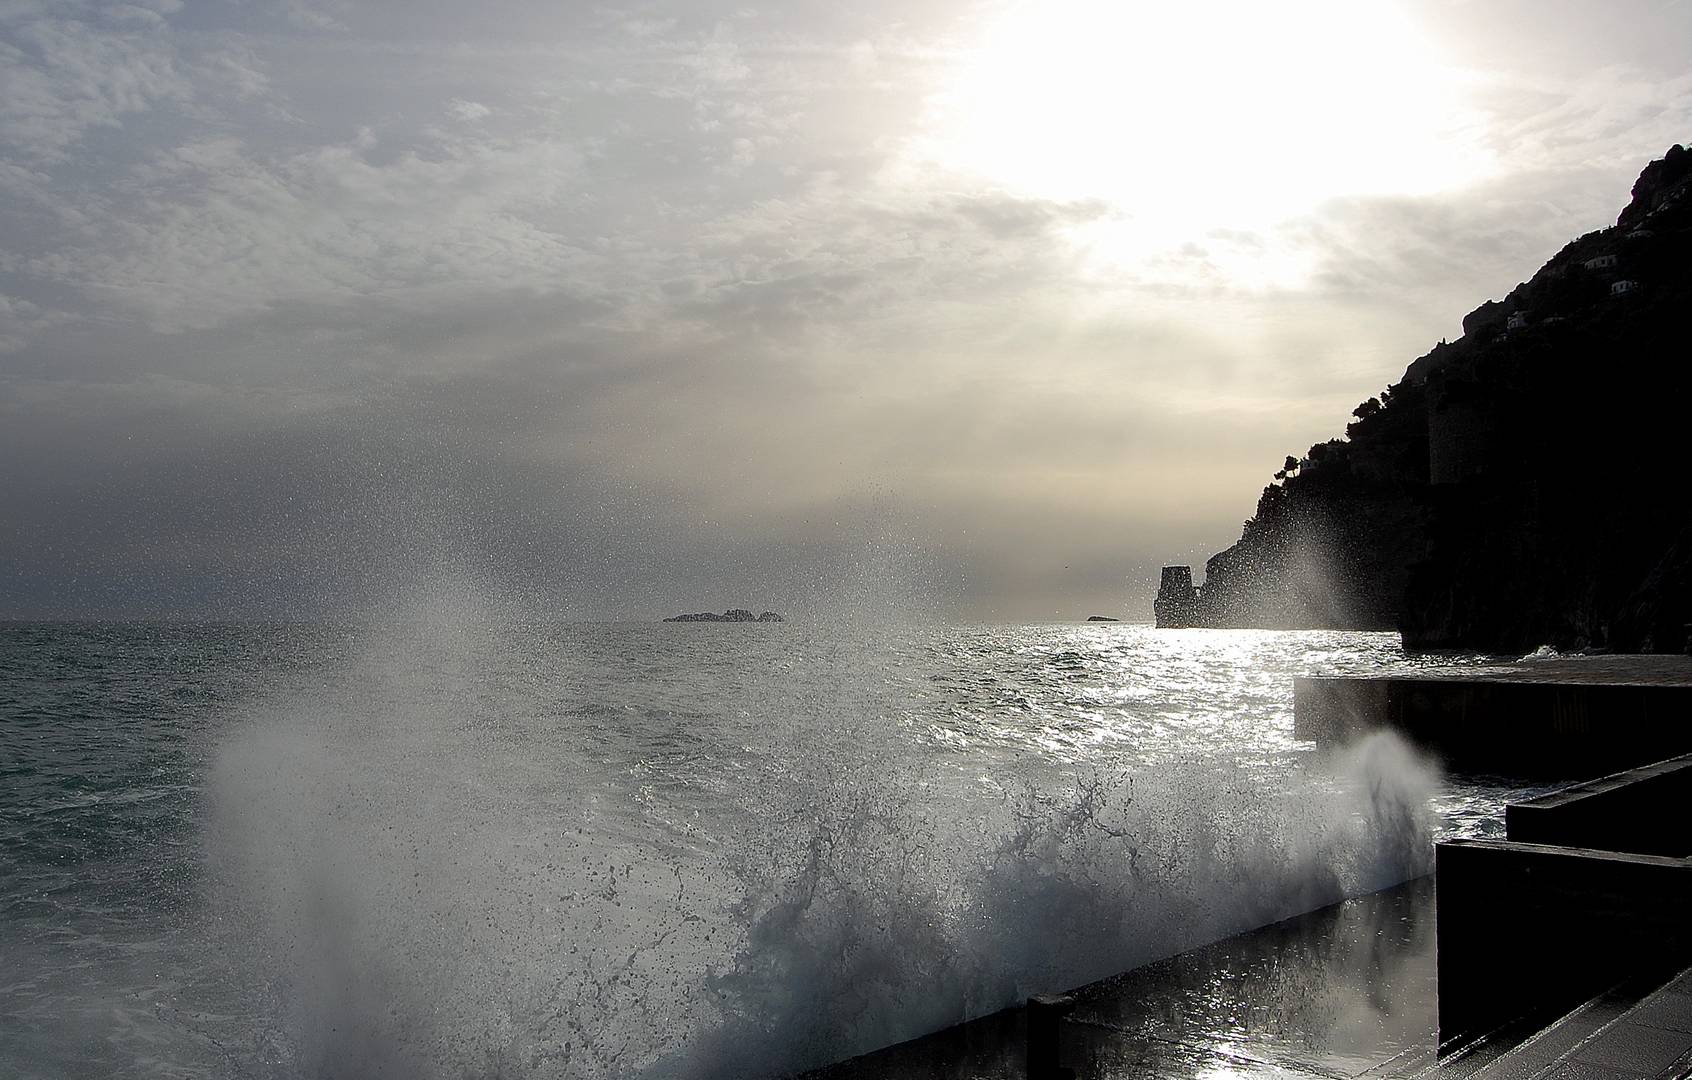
(1189, 117)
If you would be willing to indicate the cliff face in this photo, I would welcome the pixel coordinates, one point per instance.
(1526, 484)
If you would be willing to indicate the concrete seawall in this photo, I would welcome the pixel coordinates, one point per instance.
(1591, 887)
(1527, 928)
(1562, 719)
(1642, 811)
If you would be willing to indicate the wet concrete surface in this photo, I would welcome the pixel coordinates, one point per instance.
(1650, 669)
(1346, 991)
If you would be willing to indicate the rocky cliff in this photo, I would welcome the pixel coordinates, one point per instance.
(1523, 485)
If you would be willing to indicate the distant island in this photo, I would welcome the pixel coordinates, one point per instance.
(1101, 618)
(732, 615)
(1523, 485)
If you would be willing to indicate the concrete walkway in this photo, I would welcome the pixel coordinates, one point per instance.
(1609, 1039)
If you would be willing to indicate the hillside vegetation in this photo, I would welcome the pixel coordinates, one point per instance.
(1523, 485)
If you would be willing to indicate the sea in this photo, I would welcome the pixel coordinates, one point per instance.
(462, 843)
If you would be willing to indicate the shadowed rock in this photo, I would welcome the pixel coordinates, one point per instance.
(1520, 486)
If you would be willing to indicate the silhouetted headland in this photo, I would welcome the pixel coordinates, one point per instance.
(731, 615)
(1522, 485)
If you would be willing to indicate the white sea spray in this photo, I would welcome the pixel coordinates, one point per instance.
(887, 923)
(468, 855)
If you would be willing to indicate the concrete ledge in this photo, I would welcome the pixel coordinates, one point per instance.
(1524, 928)
(1504, 721)
(1641, 810)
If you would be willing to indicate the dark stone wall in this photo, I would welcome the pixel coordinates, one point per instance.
(1525, 928)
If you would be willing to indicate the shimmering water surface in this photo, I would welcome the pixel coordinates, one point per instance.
(460, 845)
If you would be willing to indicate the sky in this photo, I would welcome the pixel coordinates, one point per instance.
(928, 309)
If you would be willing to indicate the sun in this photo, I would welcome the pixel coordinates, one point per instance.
(1185, 117)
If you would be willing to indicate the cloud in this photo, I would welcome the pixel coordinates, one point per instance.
(62, 78)
(468, 111)
(215, 229)
(21, 321)
(719, 61)
(313, 16)
(1608, 116)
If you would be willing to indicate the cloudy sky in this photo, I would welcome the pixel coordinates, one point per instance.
(935, 307)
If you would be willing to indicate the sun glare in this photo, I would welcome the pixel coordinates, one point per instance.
(1188, 117)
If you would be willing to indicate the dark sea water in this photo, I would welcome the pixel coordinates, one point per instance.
(469, 845)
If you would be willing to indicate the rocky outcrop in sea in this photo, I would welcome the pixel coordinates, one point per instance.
(731, 615)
